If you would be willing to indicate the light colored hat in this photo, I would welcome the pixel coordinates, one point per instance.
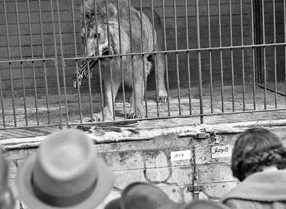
(65, 173)
(140, 195)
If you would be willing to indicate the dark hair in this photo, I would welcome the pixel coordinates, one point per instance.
(255, 148)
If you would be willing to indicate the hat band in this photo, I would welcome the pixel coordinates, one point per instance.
(62, 201)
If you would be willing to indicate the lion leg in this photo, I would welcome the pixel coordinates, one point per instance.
(108, 109)
(160, 71)
(137, 110)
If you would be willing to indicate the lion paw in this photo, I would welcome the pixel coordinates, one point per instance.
(162, 96)
(98, 116)
(133, 115)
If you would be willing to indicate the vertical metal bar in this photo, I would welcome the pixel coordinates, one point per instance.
(2, 101)
(63, 62)
(275, 55)
(155, 57)
(231, 54)
(177, 56)
(199, 62)
(264, 56)
(253, 55)
(132, 56)
(166, 57)
(188, 57)
(210, 56)
(242, 55)
(122, 71)
(221, 58)
(21, 64)
(10, 65)
(110, 71)
(99, 61)
(76, 61)
(44, 62)
(56, 65)
(33, 63)
(88, 68)
(284, 6)
(143, 60)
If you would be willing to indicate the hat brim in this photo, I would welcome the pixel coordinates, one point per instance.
(103, 186)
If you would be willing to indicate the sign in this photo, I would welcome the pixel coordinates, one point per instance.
(181, 155)
(221, 151)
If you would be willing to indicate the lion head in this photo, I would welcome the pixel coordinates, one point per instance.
(101, 28)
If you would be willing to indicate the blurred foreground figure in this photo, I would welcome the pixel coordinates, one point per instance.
(258, 161)
(139, 195)
(7, 196)
(65, 173)
(204, 204)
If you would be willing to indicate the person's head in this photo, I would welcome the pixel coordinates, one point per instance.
(66, 172)
(139, 195)
(7, 195)
(255, 149)
(204, 204)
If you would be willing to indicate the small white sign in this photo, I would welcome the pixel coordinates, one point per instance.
(181, 155)
(221, 151)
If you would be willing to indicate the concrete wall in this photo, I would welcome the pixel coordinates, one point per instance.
(150, 161)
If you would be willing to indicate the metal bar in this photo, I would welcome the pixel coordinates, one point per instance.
(155, 58)
(63, 62)
(110, 71)
(76, 61)
(10, 66)
(21, 64)
(56, 64)
(2, 103)
(199, 61)
(166, 57)
(275, 55)
(231, 55)
(177, 57)
(122, 71)
(188, 57)
(264, 57)
(99, 64)
(180, 51)
(284, 6)
(143, 60)
(134, 100)
(27, 60)
(188, 116)
(210, 56)
(253, 54)
(221, 56)
(44, 62)
(33, 63)
(242, 54)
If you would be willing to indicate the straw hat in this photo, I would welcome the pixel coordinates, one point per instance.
(65, 173)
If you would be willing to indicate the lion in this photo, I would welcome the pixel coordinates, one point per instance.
(106, 30)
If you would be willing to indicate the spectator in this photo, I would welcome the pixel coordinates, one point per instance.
(204, 204)
(139, 195)
(7, 194)
(65, 173)
(258, 161)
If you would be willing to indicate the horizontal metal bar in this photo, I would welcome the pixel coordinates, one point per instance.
(28, 60)
(179, 51)
(177, 116)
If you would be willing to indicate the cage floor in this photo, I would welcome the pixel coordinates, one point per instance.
(66, 108)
